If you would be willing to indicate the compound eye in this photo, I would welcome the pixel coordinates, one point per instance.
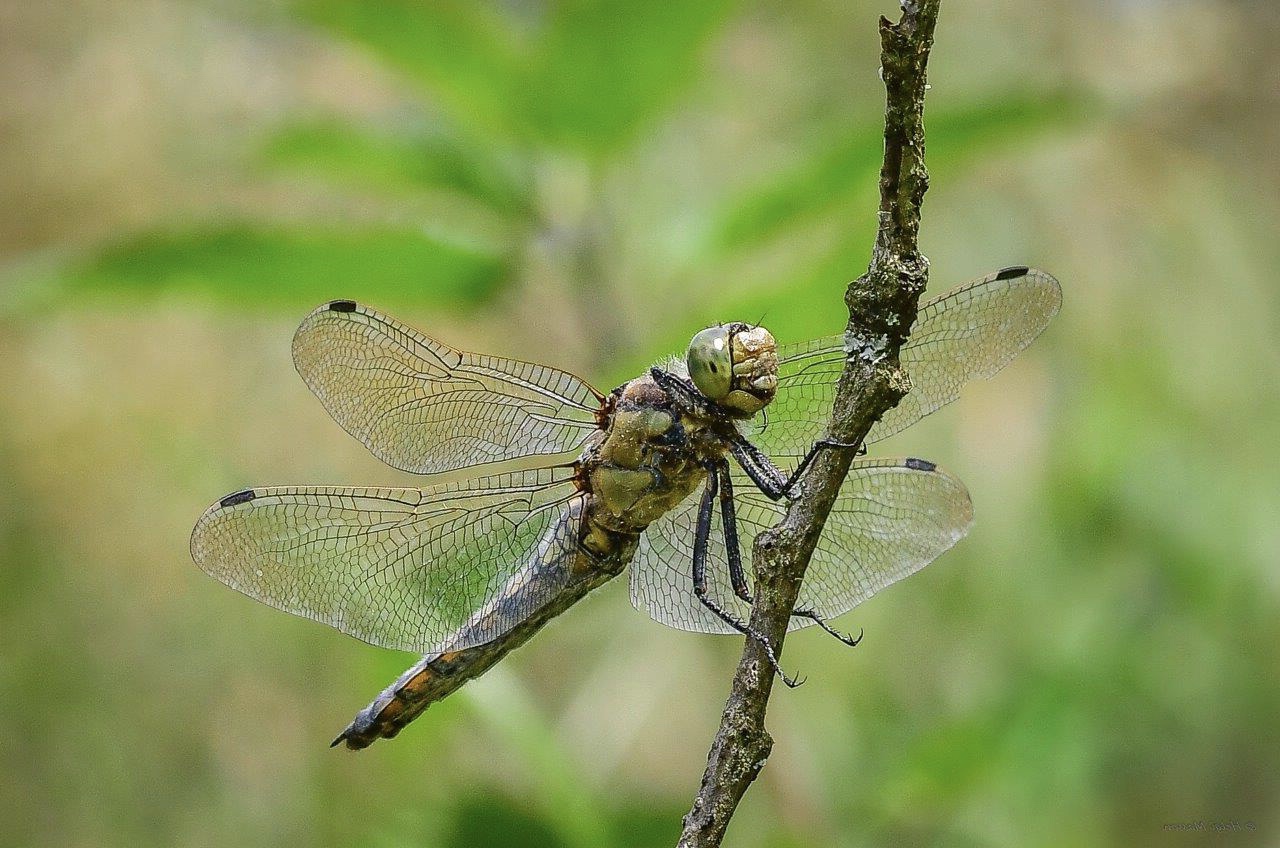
(710, 362)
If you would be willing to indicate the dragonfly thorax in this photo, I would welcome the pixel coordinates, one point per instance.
(735, 365)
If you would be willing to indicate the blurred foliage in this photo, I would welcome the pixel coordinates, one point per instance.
(579, 79)
(850, 163)
(587, 183)
(396, 163)
(580, 74)
(255, 265)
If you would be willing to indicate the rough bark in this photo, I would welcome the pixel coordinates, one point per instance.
(882, 308)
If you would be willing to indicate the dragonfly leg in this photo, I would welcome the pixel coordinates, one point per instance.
(737, 576)
(851, 641)
(687, 394)
(729, 518)
(701, 539)
(772, 480)
(768, 478)
(820, 445)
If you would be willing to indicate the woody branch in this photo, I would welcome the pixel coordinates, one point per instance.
(882, 307)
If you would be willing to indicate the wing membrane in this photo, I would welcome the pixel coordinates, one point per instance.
(415, 569)
(892, 518)
(971, 331)
(421, 406)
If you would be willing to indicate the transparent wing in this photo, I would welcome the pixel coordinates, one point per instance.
(892, 518)
(415, 569)
(421, 406)
(971, 331)
(661, 582)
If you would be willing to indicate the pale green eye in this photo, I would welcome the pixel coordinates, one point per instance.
(710, 362)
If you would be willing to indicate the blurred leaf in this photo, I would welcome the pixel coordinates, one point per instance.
(566, 801)
(852, 163)
(494, 820)
(587, 75)
(649, 821)
(338, 149)
(807, 190)
(800, 306)
(246, 264)
(607, 68)
(947, 763)
(466, 56)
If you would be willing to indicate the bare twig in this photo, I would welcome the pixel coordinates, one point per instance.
(882, 308)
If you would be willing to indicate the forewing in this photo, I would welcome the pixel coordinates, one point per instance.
(971, 331)
(892, 518)
(421, 406)
(415, 569)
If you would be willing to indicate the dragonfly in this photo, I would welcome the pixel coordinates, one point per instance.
(545, 488)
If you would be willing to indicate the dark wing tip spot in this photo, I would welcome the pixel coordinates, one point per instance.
(238, 498)
(920, 464)
(342, 306)
(1012, 272)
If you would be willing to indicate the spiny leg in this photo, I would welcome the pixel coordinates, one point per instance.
(820, 445)
(729, 518)
(821, 622)
(701, 539)
(769, 478)
(737, 576)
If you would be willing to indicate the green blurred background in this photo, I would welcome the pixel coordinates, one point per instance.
(587, 184)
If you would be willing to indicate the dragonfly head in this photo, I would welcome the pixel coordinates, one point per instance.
(735, 365)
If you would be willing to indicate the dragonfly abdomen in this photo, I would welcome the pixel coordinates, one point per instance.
(402, 701)
(538, 595)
